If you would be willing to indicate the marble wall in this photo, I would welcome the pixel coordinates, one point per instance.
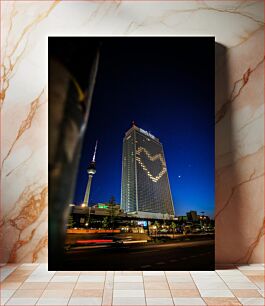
(238, 27)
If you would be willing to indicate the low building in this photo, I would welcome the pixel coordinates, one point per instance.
(192, 216)
(182, 218)
(106, 209)
(147, 215)
(99, 209)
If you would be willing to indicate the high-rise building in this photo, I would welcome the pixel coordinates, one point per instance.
(145, 184)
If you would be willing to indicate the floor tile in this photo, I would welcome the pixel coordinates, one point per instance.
(130, 286)
(85, 301)
(6, 271)
(154, 278)
(98, 273)
(3, 300)
(128, 293)
(60, 286)
(89, 285)
(246, 293)
(128, 279)
(34, 286)
(128, 301)
(206, 276)
(91, 278)
(67, 273)
(185, 293)
(251, 301)
(153, 273)
(241, 285)
(261, 292)
(216, 293)
(156, 285)
(43, 266)
(235, 278)
(260, 285)
(110, 284)
(159, 301)
(188, 301)
(53, 301)
(16, 278)
(157, 293)
(22, 271)
(253, 272)
(210, 274)
(28, 293)
(64, 279)
(109, 279)
(211, 285)
(203, 273)
(180, 279)
(87, 293)
(176, 273)
(229, 272)
(10, 285)
(182, 286)
(43, 272)
(7, 293)
(107, 297)
(218, 301)
(22, 301)
(256, 278)
(128, 273)
(39, 278)
(56, 294)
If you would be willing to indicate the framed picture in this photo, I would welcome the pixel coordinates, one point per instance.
(131, 153)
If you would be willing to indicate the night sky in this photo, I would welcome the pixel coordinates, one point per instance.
(166, 85)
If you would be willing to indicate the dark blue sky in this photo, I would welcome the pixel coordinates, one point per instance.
(166, 85)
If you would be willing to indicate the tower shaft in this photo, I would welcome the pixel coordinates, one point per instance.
(86, 198)
(91, 170)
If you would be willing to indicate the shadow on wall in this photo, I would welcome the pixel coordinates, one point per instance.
(223, 135)
(232, 224)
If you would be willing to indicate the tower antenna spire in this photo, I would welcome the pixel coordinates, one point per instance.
(95, 151)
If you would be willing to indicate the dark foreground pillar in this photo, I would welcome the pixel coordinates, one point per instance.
(69, 106)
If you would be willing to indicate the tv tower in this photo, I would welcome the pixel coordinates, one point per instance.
(91, 170)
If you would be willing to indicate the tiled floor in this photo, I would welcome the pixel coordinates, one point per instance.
(33, 284)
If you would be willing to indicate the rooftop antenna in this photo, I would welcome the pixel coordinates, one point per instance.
(94, 156)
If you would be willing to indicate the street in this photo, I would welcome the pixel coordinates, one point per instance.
(192, 255)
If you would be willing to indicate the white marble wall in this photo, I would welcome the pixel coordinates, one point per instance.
(238, 25)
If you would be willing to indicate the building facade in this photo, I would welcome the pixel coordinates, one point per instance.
(192, 215)
(145, 183)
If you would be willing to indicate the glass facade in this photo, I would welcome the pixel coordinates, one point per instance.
(145, 184)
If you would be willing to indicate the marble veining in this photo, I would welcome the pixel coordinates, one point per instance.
(236, 25)
(237, 88)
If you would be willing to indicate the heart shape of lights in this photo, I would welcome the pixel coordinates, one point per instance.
(151, 158)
